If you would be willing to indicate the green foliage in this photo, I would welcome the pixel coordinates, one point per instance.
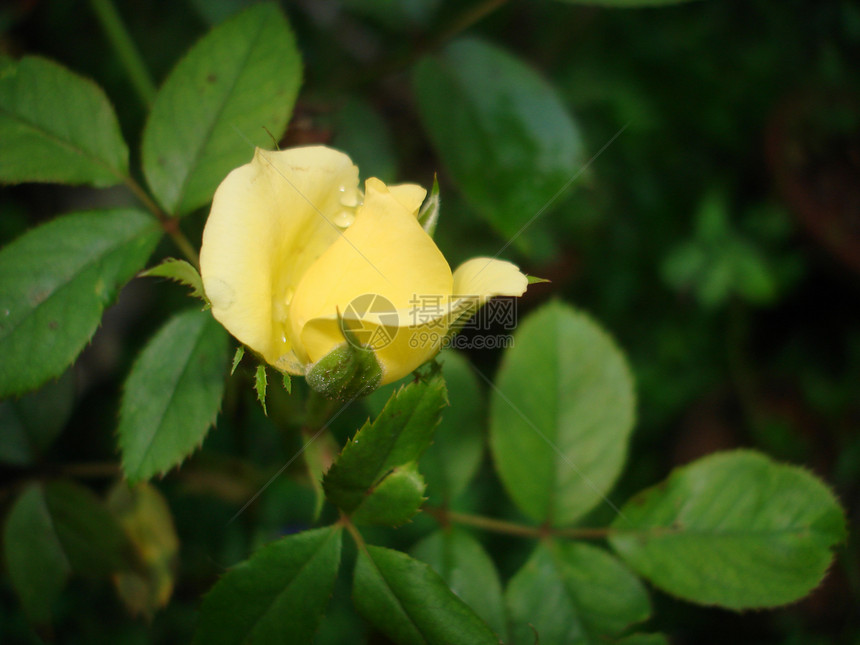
(561, 414)
(179, 271)
(213, 108)
(501, 130)
(574, 593)
(734, 529)
(411, 604)
(172, 394)
(55, 282)
(55, 529)
(690, 239)
(281, 590)
(79, 143)
(469, 571)
(396, 438)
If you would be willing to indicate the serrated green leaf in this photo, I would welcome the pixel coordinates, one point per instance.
(172, 394)
(57, 126)
(575, 594)
(408, 601)
(288, 383)
(470, 573)
(56, 281)
(278, 595)
(394, 500)
(182, 272)
(398, 436)
(30, 424)
(237, 358)
(452, 460)
(216, 104)
(561, 415)
(261, 383)
(734, 529)
(494, 122)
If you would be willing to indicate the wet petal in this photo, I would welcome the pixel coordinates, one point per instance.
(270, 220)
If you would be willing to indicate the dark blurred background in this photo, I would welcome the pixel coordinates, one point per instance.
(717, 238)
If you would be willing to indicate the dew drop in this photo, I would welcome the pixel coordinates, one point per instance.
(350, 200)
(288, 296)
(344, 219)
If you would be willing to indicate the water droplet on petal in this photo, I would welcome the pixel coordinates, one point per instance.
(344, 219)
(350, 199)
(288, 296)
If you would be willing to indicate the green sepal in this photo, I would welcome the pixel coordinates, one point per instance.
(237, 358)
(536, 280)
(428, 215)
(288, 383)
(347, 372)
(182, 272)
(261, 381)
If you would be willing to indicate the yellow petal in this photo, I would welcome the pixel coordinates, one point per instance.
(411, 196)
(402, 340)
(270, 220)
(384, 252)
(488, 277)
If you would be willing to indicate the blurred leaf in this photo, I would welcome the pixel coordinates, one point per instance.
(52, 530)
(501, 130)
(146, 519)
(643, 639)
(278, 595)
(172, 394)
(182, 272)
(409, 602)
(35, 560)
(394, 500)
(574, 594)
(719, 262)
(625, 3)
(57, 126)
(470, 573)
(55, 282)
(364, 135)
(30, 425)
(560, 415)
(734, 529)
(398, 436)
(212, 109)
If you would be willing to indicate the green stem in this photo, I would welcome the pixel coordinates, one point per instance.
(445, 517)
(125, 48)
(169, 224)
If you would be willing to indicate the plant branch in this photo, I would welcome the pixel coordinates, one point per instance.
(446, 517)
(169, 224)
(125, 48)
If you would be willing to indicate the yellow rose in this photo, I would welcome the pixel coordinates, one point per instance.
(294, 257)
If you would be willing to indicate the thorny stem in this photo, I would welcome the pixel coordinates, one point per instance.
(445, 517)
(125, 48)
